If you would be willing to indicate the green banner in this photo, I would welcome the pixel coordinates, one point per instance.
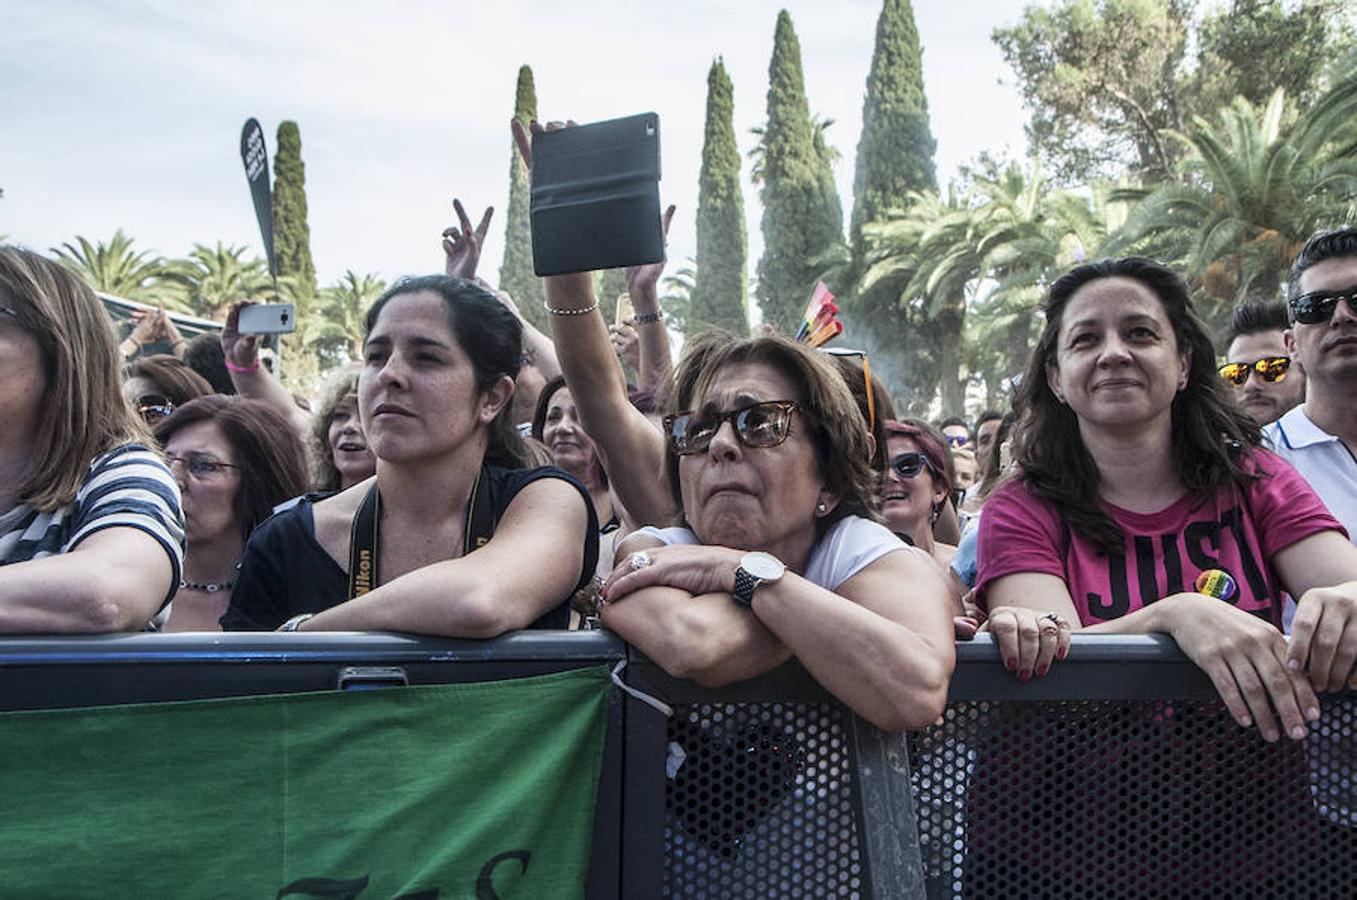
(464, 790)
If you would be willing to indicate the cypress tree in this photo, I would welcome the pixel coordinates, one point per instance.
(895, 151)
(802, 218)
(292, 249)
(608, 284)
(291, 233)
(721, 292)
(515, 272)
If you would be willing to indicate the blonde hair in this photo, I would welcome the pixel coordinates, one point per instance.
(340, 386)
(86, 413)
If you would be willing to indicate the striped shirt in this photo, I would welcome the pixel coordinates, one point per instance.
(128, 487)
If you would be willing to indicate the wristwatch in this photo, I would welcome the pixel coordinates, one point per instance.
(756, 569)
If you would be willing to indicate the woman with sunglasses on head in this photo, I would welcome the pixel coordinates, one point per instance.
(91, 532)
(453, 536)
(1140, 486)
(157, 385)
(234, 460)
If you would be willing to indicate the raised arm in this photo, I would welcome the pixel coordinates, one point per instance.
(490, 591)
(632, 449)
(249, 375)
(642, 287)
(887, 655)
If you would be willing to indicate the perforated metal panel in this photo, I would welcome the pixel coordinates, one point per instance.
(761, 803)
(1134, 799)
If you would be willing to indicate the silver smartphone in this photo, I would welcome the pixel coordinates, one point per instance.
(268, 318)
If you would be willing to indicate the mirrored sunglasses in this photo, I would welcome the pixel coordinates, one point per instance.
(957, 440)
(1270, 368)
(910, 463)
(764, 424)
(154, 407)
(1316, 307)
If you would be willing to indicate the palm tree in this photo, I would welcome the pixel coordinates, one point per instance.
(337, 332)
(1249, 195)
(676, 296)
(115, 268)
(213, 277)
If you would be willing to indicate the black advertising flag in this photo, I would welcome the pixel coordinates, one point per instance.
(255, 155)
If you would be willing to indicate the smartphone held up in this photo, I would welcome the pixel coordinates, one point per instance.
(268, 318)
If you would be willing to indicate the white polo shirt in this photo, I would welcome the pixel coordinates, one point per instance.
(1321, 459)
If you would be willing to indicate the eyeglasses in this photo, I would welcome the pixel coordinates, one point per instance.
(1316, 307)
(8, 311)
(154, 407)
(1270, 368)
(957, 440)
(866, 380)
(200, 466)
(764, 424)
(911, 463)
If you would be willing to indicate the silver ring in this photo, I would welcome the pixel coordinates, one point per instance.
(1054, 617)
(639, 560)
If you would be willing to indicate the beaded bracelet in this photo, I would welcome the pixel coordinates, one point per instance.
(569, 312)
(648, 318)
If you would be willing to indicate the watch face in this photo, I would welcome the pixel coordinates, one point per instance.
(763, 566)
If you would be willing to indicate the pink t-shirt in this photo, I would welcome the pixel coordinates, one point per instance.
(1237, 531)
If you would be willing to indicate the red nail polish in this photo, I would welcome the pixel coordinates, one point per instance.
(1043, 669)
(1011, 664)
(1062, 653)
(1025, 675)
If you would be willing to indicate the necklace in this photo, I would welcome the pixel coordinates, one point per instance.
(210, 587)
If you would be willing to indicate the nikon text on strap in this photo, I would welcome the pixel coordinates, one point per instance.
(364, 537)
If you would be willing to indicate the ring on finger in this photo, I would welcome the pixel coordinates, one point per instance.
(1053, 617)
(639, 560)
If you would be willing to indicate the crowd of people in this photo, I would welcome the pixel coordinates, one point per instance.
(754, 501)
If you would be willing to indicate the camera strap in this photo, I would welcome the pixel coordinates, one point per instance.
(365, 535)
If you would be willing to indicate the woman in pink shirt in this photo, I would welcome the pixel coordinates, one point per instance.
(1138, 474)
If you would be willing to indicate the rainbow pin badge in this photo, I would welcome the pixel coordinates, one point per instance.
(1216, 583)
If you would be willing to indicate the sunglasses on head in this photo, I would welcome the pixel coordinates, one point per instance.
(866, 379)
(910, 464)
(764, 424)
(154, 407)
(1317, 307)
(1270, 368)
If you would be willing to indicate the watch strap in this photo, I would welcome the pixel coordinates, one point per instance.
(745, 583)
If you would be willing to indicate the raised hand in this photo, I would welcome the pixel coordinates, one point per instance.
(626, 344)
(462, 245)
(642, 279)
(241, 350)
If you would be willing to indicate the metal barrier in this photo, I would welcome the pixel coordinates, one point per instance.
(1117, 774)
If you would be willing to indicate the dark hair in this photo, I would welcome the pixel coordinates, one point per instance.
(267, 449)
(991, 467)
(539, 423)
(491, 337)
(171, 376)
(988, 415)
(1254, 317)
(840, 435)
(934, 446)
(1208, 428)
(956, 420)
(851, 369)
(204, 356)
(1339, 242)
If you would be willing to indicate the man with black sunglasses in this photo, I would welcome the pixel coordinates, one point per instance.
(1257, 363)
(1319, 437)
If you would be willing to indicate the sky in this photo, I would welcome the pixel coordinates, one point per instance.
(122, 114)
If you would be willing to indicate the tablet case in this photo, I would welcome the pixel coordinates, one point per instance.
(596, 196)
